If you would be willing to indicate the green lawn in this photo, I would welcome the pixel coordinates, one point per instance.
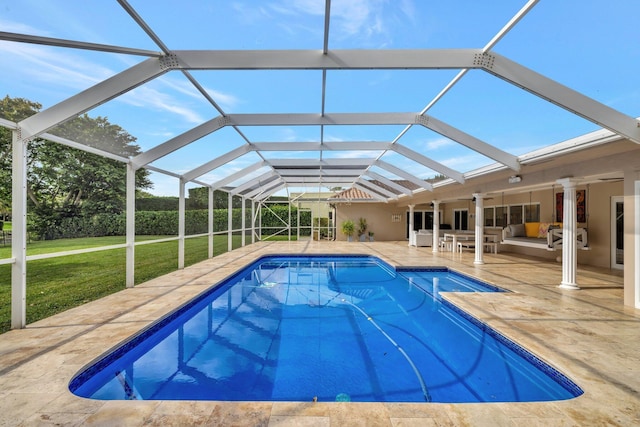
(58, 284)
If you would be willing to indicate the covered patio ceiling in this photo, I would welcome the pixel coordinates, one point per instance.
(336, 108)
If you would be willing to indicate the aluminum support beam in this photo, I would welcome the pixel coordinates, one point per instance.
(253, 221)
(8, 124)
(130, 219)
(74, 44)
(19, 233)
(333, 182)
(83, 147)
(324, 172)
(210, 222)
(310, 119)
(562, 96)
(268, 192)
(370, 192)
(368, 184)
(217, 162)
(431, 164)
(181, 224)
(257, 181)
(301, 163)
(92, 97)
(386, 181)
(180, 141)
(229, 222)
(261, 190)
(347, 59)
(325, 146)
(243, 222)
(402, 174)
(469, 141)
(237, 175)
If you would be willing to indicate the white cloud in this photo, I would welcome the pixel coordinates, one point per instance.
(465, 163)
(349, 18)
(148, 97)
(49, 66)
(71, 73)
(224, 100)
(18, 27)
(437, 144)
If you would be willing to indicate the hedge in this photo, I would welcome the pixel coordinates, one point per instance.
(166, 222)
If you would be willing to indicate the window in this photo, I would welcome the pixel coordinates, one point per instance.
(532, 213)
(489, 220)
(515, 214)
(501, 216)
(421, 220)
(461, 219)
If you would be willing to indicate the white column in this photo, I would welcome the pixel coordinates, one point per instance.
(130, 218)
(289, 224)
(229, 222)
(210, 217)
(259, 220)
(569, 227)
(479, 229)
(411, 221)
(243, 213)
(435, 246)
(19, 233)
(253, 221)
(181, 216)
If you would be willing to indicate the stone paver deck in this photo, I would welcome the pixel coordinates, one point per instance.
(588, 335)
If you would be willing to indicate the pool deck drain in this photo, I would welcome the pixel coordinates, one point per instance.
(588, 335)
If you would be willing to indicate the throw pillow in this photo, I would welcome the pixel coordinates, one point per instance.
(517, 230)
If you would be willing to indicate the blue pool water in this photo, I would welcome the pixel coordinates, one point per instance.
(294, 328)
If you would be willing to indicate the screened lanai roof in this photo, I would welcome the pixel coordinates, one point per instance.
(279, 96)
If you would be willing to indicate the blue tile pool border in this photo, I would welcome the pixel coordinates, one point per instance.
(115, 352)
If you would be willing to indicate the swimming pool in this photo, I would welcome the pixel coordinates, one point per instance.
(325, 328)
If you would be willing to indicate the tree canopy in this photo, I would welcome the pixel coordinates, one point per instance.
(64, 181)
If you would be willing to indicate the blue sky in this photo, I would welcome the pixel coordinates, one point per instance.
(590, 46)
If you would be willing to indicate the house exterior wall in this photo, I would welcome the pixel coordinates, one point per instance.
(379, 219)
(598, 222)
(598, 205)
(539, 184)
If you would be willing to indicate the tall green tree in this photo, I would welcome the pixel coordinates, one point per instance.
(64, 181)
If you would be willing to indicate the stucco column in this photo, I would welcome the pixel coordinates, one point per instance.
(479, 229)
(411, 221)
(436, 226)
(569, 228)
